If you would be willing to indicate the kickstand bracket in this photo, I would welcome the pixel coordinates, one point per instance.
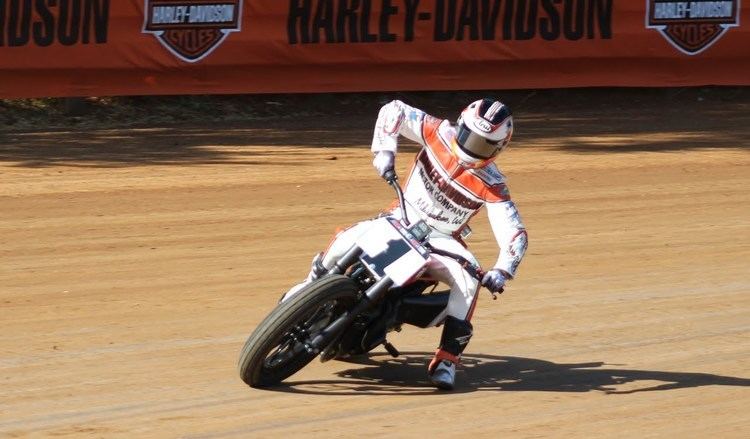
(391, 349)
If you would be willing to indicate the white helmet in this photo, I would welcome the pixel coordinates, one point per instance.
(484, 130)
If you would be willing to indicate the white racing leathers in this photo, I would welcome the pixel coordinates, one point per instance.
(446, 196)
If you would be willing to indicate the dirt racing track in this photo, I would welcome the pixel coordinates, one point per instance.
(135, 263)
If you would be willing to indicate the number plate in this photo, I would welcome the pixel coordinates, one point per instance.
(390, 250)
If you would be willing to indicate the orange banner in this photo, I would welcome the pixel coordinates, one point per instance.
(138, 47)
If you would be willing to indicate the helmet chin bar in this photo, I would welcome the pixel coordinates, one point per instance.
(467, 161)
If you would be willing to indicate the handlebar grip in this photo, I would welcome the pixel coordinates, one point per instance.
(480, 274)
(390, 176)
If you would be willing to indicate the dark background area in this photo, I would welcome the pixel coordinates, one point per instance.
(187, 129)
(143, 111)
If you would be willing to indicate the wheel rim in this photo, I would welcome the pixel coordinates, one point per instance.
(293, 341)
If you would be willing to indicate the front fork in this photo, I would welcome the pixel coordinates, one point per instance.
(373, 295)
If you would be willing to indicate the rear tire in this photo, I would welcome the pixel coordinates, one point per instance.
(273, 351)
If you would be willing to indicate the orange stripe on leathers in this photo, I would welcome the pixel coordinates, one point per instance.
(472, 183)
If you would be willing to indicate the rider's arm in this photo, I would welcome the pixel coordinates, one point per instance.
(510, 234)
(397, 118)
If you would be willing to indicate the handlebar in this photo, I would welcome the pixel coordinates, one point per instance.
(474, 270)
(392, 179)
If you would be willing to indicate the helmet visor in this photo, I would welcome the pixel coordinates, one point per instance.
(475, 145)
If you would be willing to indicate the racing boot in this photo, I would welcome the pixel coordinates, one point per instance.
(442, 368)
(444, 375)
(317, 269)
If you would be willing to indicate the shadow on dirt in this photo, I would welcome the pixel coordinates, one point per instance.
(579, 121)
(382, 375)
(167, 146)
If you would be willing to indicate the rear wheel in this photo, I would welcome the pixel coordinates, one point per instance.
(276, 349)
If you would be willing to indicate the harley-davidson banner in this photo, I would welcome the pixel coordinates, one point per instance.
(191, 29)
(138, 47)
(693, 27)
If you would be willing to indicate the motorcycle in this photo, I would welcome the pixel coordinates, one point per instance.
(373, 289)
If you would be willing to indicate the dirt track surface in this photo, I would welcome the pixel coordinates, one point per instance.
(136, 262)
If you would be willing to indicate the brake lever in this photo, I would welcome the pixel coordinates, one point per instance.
(496, 293)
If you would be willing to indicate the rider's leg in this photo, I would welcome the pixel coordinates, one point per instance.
(463, 287)
(455, 337)
(457, 329)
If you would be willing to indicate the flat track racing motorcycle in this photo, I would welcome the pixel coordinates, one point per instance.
(374, 288)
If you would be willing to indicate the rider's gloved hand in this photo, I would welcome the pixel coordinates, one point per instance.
(383, 162)
(494, 280)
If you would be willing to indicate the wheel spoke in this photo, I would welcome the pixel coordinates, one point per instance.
(293, 341)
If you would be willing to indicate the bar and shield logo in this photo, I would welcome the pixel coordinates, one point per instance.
(192, 29)
(692, 26)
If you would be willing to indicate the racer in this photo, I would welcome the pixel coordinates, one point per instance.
(452, 177)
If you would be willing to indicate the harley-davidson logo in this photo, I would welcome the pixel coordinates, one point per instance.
(692, 26)
(192, 29)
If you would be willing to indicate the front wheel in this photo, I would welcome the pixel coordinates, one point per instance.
(276, 349)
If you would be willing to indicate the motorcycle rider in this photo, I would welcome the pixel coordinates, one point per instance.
(452, 177)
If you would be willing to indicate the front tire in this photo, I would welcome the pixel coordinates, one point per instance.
(275, 350)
